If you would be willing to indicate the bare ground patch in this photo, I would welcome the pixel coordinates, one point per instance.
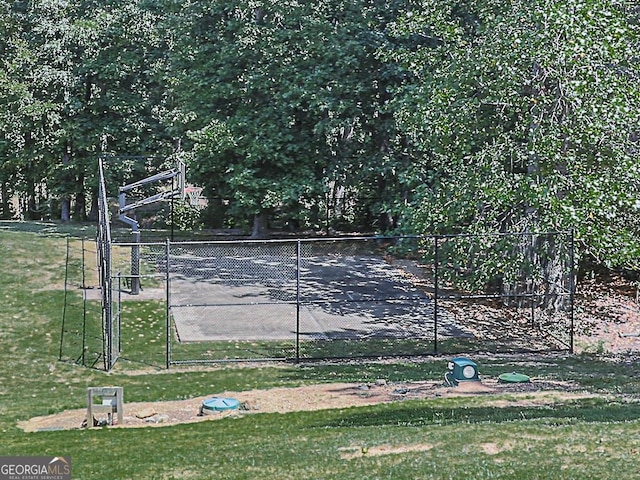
(316, 397)
(608, 316)
(492, 448)
(359, 451)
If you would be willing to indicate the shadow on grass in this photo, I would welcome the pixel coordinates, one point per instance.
(50, 228)
(594, 373)
(413, 414)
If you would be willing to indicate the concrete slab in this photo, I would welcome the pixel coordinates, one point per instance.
(340, 298)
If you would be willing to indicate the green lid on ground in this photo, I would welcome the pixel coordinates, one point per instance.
(513, 378)
(217, 404)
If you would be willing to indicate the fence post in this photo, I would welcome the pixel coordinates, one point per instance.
(135, 264)
(167, 305)
(532, 306)
(84, 306)
(435, 294)
(298, 263)
(572, 289)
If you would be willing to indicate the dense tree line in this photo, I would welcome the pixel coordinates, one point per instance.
(430, 116)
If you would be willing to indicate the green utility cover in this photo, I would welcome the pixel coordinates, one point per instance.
(219, 404)
(513, 378)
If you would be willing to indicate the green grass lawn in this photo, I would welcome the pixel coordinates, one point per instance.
(456, 438)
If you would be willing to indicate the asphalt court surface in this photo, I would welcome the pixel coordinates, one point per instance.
(254, 298)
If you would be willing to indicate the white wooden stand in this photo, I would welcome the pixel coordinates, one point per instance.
(110, 400)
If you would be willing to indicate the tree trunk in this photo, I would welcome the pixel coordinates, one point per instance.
(65, 201)
(555, 262)
(80, 204)
(5, 208)
(31, 212)
(65, 209)
(93, 212)
(260, 225)
(80, 207)
(522, 283)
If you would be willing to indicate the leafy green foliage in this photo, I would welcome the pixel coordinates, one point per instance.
(185, 217)
(287, 99)
(82, 78)
(426, 116)
(528, 116)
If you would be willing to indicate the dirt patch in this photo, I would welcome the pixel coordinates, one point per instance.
(607, 316)
(313, 397)
(494, 449)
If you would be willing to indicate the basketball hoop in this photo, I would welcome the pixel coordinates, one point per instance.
(194, 194)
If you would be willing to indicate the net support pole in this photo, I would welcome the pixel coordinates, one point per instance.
(64, 303)
(119, 314)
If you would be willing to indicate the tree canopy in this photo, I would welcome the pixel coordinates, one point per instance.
(420, 116)
(527, 114)
(287, 100)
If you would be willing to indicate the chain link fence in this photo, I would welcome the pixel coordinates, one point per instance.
(301, 299)
(365, 296)
(513, 291)
(110, 303)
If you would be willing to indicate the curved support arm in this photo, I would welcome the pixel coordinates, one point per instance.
(178, 171)
(133, 223)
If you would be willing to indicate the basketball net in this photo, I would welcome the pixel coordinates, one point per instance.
(194, 194)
